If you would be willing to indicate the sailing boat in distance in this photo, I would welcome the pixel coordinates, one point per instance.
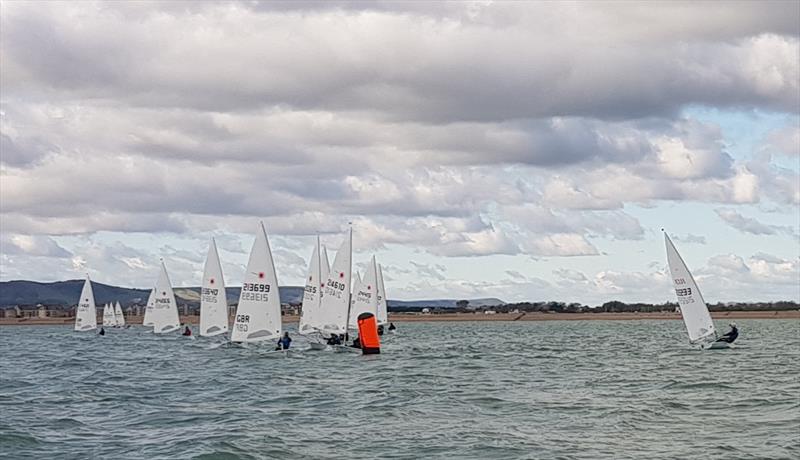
(213, 301)
(86, 313)
(696, 317)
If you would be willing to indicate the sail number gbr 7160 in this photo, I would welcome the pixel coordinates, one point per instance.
(255, 291)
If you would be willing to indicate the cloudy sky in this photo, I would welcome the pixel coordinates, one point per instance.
(526, 151)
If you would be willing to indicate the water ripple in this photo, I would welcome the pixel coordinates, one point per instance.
(550, 390)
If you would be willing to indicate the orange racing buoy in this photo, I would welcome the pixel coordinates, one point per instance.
(368, 334)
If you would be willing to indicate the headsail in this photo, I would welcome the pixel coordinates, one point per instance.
(693, 308)
(213, 302)
(383, 310)
(258, 315)
(165, 309)
(336, 293)
(86, 313)
(365, 296)
(119, 317)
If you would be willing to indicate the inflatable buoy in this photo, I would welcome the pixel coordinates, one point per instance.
(368, 334)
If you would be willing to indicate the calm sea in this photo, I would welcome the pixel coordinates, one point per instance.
(539, 390)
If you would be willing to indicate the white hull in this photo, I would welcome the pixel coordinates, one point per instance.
(167, 329)
(317, 346)
(717, 346)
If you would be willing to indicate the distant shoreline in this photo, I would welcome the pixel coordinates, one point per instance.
(458, 317)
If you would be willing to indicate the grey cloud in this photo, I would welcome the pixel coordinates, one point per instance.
(32, 245)
(750, 225)
(690, 238)
(470, 72)
(429, 271)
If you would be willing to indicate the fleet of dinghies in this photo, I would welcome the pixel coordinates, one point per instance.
(330, 308)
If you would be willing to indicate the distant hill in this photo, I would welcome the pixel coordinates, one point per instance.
(65, 293)
(444, 303)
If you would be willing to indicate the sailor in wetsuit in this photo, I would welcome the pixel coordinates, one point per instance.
(731, 335)
(284, 342)
(334, 340)
(187, 332)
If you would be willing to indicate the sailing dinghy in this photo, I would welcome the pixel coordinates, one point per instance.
(309, 325)
(365, 298)
(694, 310)
(164, 315)
(148, 310)
(383, 310)
(119, 317)
(86, 313)
(258, 315)
(213, 301)
(108, 316)
(335, 302)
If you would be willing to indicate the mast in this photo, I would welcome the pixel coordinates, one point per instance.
(349, 289)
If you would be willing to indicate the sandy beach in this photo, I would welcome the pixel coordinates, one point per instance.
(414, 317)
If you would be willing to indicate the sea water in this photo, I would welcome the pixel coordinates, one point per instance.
(482, 390)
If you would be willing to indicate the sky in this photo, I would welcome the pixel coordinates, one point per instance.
(524, 151)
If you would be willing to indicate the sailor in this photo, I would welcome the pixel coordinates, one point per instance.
(380, 329)
(731, 335)
(284, 342)
(356, 343)
(187, 331)
(392, 326)
(334, 340)
(102, 331)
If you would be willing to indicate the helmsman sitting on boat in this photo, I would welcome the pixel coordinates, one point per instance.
(731, 335)
(284, 342)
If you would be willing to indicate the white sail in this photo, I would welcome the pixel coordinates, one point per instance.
(119, 317)
(148, 311)
(326, 266)
(336, 293)
(108, 315)
(312, 294)
(365, 296)
(86, 313)
(356, 286)
(258, 315)
(693, 308)
(213, 302)
(165, 309)
(383, 311)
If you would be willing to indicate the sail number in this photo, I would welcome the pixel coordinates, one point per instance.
(255, 287)
(679, 281)
(336, 285)
(241, 322)
(683, 292)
